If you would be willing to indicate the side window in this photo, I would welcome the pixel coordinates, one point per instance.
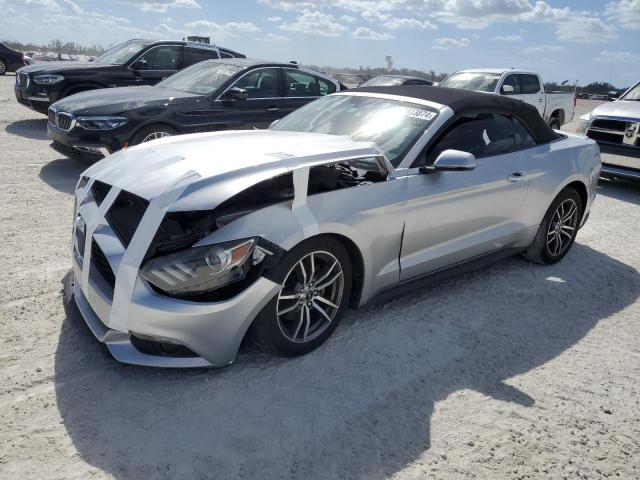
(195, 55)
(514, 82)
(482, 134)
(522, 136)
(529, 84)
(299, 84)
(261, 83)
(326, 88)
(161, 58)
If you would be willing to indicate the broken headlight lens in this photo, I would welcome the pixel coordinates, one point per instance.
(100, 123)
(201, 269)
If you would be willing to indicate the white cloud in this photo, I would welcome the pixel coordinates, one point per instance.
(508, 38)
(544, 49)
(347, 18)
(608, 57)
(219, 31)
(396, 23)
(164, 5)
(273, 37)
(447, 43)
(625, 13)
(73, 6)
(275, 18)
(315, 23)
(364, 33)
(585, 30)
(50, 5)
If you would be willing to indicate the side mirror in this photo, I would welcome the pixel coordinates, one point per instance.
(236, 93)
(451, 161)
(507, 89)
(274, 122)
(139, 64)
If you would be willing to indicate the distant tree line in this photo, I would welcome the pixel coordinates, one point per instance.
(57, 46)
(596, 88)
(361, 74)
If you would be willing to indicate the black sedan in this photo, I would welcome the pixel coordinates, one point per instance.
(10, 60)
(394, 80)
(212, 95)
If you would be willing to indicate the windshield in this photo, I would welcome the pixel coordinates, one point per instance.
(202, 78)
(121, 54)
(382, 82)
(633, 94)
(393, 125)
(481, 82)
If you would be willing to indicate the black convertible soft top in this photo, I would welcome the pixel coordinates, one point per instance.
(461, 101)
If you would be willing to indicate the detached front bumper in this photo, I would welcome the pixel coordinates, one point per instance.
(212, 331)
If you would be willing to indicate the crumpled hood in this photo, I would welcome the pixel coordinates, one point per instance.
(619, 108)
(61, 67)
(216, 166)
(112, 101)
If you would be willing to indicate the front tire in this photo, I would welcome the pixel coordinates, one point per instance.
(153, 132)
(558, 229)
(316, 277)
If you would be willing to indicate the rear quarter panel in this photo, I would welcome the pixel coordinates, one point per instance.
(553, 166)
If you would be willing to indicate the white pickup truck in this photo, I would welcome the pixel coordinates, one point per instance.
(555, 108)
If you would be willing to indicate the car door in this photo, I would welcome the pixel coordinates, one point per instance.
(301, 88)
(262, 106)
(156, 64)
(513, 81)
(454, 216)
(532, 92)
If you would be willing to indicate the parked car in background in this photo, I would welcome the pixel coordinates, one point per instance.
(617, 124)
(10, 60)
(184, 245)
(136, 62)
(555, 108)
(393, 80)
(213, 95)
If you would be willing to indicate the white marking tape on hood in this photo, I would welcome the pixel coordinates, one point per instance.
(299, 206)
(133, 256)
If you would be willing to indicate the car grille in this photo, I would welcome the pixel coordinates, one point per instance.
(52, 116)
(99, 190)
(65, 121)
(125, 214)
(616, 131)
(23, 80)
(99, 260)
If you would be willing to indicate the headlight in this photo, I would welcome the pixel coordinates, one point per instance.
(47, 79)
(100, 123)
(583, 123)
(201, 269)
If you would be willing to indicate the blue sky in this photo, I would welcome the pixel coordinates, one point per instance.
(587, 40)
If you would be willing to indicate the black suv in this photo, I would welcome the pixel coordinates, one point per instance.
(136, 62)
(212, 95)
(10, 60)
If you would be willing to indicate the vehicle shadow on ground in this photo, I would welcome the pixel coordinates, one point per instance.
(63, 173)
(358, 407)
(620, 190)
(32, 128)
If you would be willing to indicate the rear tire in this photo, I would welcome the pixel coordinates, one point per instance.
(153, 132)
(558, 229)
(555, 124)
(312, 301)
(3, 67)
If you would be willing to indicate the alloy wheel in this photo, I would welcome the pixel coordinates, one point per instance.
(562, 227)
(155, 135)
(311, 296)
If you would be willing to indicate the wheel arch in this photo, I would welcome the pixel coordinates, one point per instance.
(581, 188)
(357, 264)
(81, 87)
(150, 123)
(557, 114)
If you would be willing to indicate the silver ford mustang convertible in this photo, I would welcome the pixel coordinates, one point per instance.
(185, 246)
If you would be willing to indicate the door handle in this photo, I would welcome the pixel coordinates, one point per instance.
(517, 176)
(540, 100)
(272, 109)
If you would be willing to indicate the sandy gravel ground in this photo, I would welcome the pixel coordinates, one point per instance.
(515, 371)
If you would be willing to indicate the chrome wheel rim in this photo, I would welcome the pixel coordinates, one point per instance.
(310, 297)
(155, 136)
(562, 227)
